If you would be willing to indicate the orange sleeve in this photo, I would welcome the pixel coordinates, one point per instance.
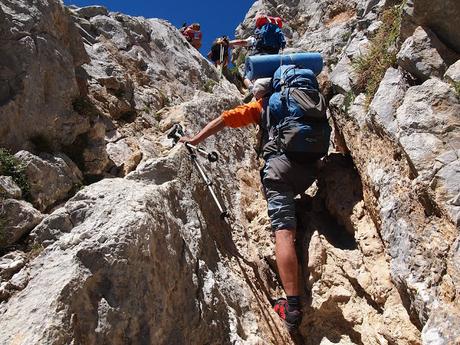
(243, 115)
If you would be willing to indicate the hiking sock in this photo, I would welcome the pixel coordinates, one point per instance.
(293, 303)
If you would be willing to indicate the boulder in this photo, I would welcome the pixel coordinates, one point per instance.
(11, 263)
(125, 154)
(51, 177)
(18, 218)
(126, 255)
(424, 55)
(8, 188)
(440, 17)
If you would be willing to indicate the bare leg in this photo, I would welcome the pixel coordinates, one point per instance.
(286, 259)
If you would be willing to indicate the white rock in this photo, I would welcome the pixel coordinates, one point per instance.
(18, 219)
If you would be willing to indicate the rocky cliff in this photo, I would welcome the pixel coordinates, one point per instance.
(108, 234)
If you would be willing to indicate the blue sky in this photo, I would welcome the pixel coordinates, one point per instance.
(217, 18)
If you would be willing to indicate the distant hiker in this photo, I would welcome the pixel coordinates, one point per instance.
(219, 51)
(291, 114)
(193, 34)
(267, 39)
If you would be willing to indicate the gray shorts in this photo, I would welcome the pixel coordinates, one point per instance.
(282, 180)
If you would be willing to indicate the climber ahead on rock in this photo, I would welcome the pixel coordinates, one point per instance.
(219, 51)
(192, 34)
(267, 39)
(290, 112)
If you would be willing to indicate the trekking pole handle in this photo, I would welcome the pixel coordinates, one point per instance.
(177, 132)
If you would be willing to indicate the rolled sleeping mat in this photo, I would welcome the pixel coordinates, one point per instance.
(263, 66)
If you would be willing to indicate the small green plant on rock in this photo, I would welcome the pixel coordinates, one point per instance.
(457, 87)
(372, 66)
(10, 166)
(209, 85)
(164, 100)
(158, 115)
(35, 250)
(349, 99)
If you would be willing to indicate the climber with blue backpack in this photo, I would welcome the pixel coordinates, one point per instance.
(291, 114)
(267, 39)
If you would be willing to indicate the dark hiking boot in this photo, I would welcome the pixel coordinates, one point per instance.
(291, 318)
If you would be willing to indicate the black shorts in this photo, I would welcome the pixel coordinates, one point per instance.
(214, 54)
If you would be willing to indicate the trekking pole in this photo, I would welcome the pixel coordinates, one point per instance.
(221, 60)
(176, 133)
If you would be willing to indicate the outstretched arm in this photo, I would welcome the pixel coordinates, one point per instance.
(240, 116)
(210, 129)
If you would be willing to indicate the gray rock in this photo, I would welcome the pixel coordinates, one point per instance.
(119, 152)
(386, 101)
(91, 11)
(18, 219)
(53, 226)
(453, 73)
(424, 55)
(50, 177)
(358, 46)
(341, 76)
(358, 109)
(8, 188)
(95, 159)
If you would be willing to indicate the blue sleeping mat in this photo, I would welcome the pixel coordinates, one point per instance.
(263, 66)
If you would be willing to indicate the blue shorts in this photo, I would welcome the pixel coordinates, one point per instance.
(282, 180)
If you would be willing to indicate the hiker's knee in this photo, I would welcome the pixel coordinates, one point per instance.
(285, 235)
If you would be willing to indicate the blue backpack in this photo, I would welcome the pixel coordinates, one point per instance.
(270, 39)
(295, 117)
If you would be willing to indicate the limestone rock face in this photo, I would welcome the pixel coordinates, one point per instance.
(51, 177)
(39, 52)
(141, 255)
